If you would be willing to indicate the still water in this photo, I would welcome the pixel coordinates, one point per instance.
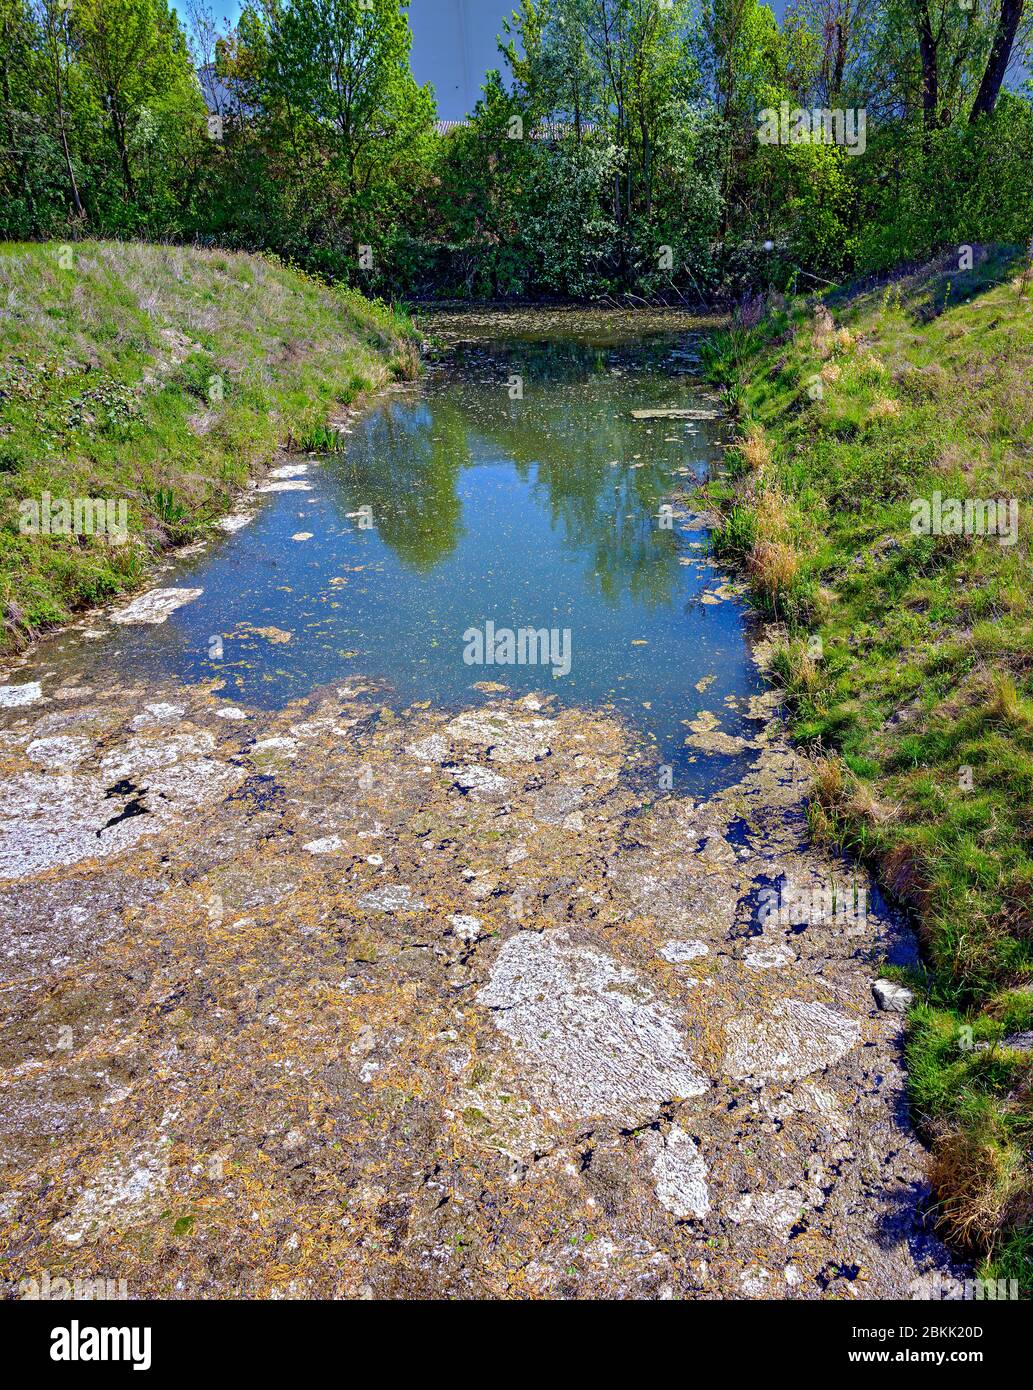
(512, 487)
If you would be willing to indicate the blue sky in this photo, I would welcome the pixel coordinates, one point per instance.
(453, 45)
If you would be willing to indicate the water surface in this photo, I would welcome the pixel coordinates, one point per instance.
(513, 486)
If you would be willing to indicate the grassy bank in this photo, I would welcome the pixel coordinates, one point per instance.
(908, 662)
(160, 376)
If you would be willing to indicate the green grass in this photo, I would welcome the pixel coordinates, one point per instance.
(908, 663)
(161, 376)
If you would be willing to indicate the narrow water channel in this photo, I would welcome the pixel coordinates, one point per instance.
(513, 490)
(323, 965)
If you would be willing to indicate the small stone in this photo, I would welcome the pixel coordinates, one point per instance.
(272, 746)
(11, 696)
(678, 952)
(767, 957)
(155, 607)
(157, 714)
(394, 897)
(893, 998)
(755, 1281)
(467, 928)
(330, 845)
(61, 751)
(433, 749)
(775, 1211)
(680, 1176)
(795, 1038)
(480, 781)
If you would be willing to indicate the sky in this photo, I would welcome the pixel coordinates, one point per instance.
(453, 46)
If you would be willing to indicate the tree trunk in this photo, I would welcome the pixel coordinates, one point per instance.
(1000, 56)
(927, 47)
(76, 200)
(53, 52)
(840, 64)
(118, 122)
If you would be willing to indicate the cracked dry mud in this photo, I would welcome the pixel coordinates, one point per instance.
(338, 1002)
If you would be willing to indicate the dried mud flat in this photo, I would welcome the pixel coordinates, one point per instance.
(337, 1002)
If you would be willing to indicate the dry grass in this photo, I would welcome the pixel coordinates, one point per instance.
(862, 805)
(1007, 707)
(772, 514)
(774, 567)
(903, 876)
(798, 668)
(822, 332)
(926, 383)
(871, 369)
(885, 408)
(755, 449)
(829, 782)
(981, 1187)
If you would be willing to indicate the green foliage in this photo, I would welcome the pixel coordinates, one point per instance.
(737, 533)
(812, 208)
(572, 235)
(955, 186)
(617, 151)
(169, 510)
(331, 79)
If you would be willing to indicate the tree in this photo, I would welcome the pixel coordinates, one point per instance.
(135, 54)
(1008, 20)
(741, 39)
(339, 71)
(621, 68)
(840, 29)
(342, 126)
(950, 42)
(52, 21)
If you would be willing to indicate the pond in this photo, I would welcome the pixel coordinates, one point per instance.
(508, 522)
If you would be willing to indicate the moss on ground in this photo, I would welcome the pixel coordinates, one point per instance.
(907, 661)
(159, 376)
